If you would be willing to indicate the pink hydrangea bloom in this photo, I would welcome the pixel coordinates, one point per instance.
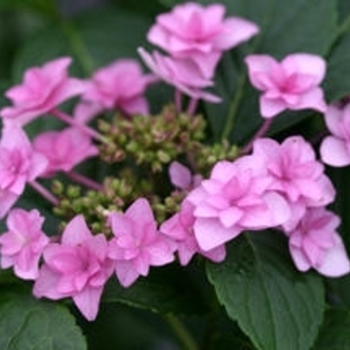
(314, 243)
(335, 149)
(22, 245)
(296, 174)
(78, 267)
(200, 33)
(179, 228)
(292, 83)
(137, 244)
(121, 85)
(181, 73)
(236, 197)
(19, 164)
(42, 90)
(64, 149)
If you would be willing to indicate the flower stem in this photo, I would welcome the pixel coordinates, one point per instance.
(233, 109)
(178, 100)
(192, 106)
(261, 132)
(44, 192)
(186, 339)
(79, 178)
(71, 121)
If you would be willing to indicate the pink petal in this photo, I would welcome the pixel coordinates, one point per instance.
(46, 285)
(335, 262)
(271, 107)
(88, 302)
(76, 232)
(126, 273)
(140, 210)
(335, 118)
(236, 30)
(180, 175)
(307, 64)
(335, 152)
(313, 99)
(210, 233)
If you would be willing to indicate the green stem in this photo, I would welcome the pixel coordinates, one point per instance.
(78, 46)
(185, 338)
(233, 108)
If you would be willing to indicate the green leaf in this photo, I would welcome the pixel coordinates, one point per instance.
(166, 289)
(28, 324)
(275, 305)
(43, 7)
(334, 334)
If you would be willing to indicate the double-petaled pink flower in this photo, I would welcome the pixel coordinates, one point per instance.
(64, 149)
(77, 267)
(235, 198)
(181, 73)
(292, 83)
(22, 245)
(200, 33)
(335, 148)
(42, 90)
(19, 164)
(137, 244)
(120, 85)
(314, 243)
(296, 174)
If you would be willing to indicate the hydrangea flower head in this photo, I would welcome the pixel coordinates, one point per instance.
(233, 199)
(78, 267)
(314, 243)
(120, 85)
(200, 33)
(137, 244)
(42, 90)
(19, 164)
(181, 73)
(335, 149)
(22, 245)
(64, 149)
(292, 83)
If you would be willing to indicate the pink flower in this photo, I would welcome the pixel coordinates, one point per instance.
(137, 244)
(291, 84)
(43, 89)
(314, 243)
(295, 171)
(179, 228)
(78, 267)
(236, 197)
(296, 174)
(200, 33)
(335, 149)
(23, 243)
(19, 164)
(181, 73)
(121, 85)
(64, 149)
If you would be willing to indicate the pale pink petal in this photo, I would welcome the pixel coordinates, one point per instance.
(335, 152)
(313, 99)
(126, 273)
(88, 302)
(180, 176)
(236, 30)
(335, 262)
(307, 64)
(76, 232)
(210, 233)
(45, 284)
(335, 118)
(271, 107)
(140, 210)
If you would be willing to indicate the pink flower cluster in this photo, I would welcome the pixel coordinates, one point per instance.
(195, 37)
(78, 264)
(279, 186)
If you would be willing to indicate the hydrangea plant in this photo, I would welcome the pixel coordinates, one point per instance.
(174, 175)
